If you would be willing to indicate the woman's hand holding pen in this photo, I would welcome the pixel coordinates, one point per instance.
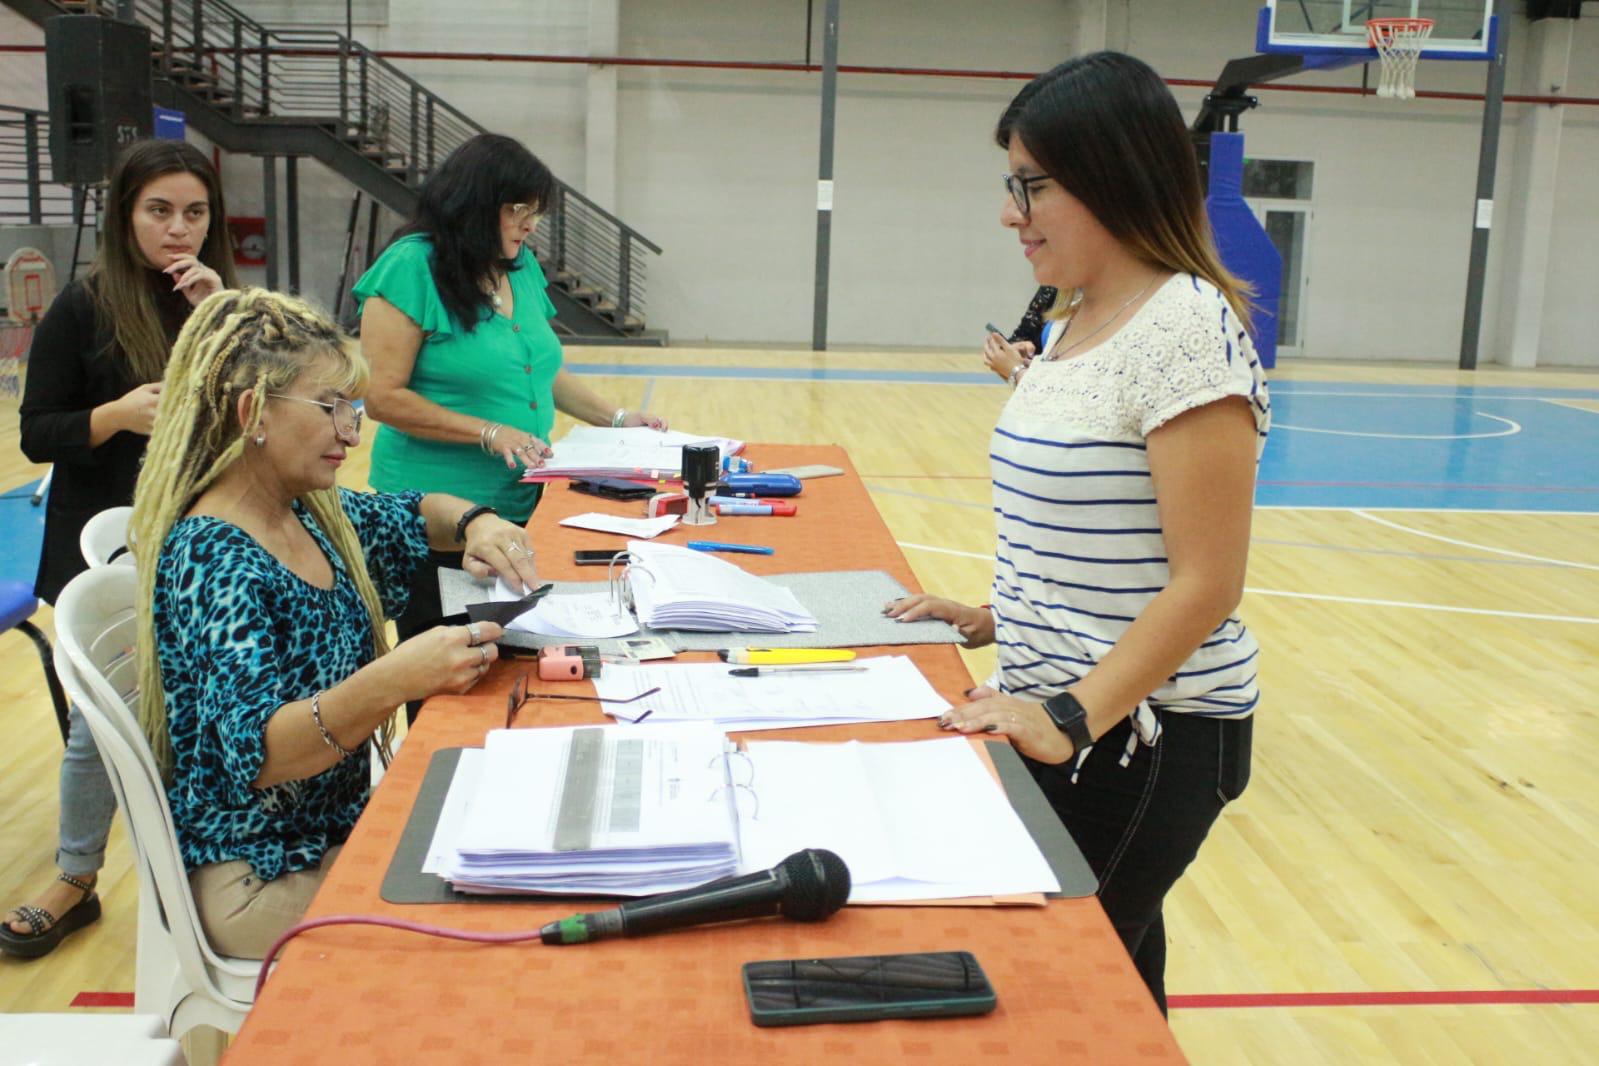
(1005, 358)
(975, 624)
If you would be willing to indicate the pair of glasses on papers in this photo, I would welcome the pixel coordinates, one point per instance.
(520, 695)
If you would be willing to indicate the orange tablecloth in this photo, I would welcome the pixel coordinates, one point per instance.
(1067, 991)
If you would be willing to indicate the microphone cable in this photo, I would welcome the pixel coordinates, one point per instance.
(388, 923)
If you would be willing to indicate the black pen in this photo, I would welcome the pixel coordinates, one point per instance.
(813, 668)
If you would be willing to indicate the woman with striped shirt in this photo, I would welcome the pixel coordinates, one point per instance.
(1123, 469)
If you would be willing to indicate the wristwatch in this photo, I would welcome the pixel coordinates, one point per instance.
(1070, 718)
(466, 519)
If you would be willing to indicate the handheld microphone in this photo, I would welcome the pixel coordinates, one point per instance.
(807, 886)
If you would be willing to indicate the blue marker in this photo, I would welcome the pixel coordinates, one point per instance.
(718, 546)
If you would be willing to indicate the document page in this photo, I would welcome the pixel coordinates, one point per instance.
(886, 688)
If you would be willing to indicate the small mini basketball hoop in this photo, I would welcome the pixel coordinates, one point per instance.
(1398, 43)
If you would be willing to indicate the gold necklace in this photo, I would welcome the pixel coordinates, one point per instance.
(1057, 352)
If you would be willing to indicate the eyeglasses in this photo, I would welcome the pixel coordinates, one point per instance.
(521, 212)
(1020, 190)
(346, 416)
(520, 695)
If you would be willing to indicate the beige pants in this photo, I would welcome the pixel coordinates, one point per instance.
(241, 914)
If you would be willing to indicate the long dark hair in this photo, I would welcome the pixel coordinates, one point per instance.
(1105, 126)
(459, 211)
(124, 298)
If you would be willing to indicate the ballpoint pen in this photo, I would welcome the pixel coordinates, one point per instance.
(718, 546)
(815, 668)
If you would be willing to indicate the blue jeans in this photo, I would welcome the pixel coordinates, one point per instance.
(87, 803)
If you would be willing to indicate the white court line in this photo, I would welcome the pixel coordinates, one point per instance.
(1572, 405)
(1357, 600)
(947, 551)
(1512, 431)
(1426, 395)
(1469, 544)
(1426, 606)
(1424, 510)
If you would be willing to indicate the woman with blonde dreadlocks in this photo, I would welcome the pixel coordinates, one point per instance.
(263, 594)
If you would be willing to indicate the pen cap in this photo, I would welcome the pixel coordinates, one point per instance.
(701, 466)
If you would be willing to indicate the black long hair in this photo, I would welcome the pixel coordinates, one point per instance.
(458, 209)
(1107, 128)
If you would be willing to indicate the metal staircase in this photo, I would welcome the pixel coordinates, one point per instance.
(260, 90)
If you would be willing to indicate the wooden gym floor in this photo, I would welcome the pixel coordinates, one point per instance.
(1410, 876)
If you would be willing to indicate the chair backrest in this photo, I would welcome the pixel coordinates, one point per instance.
(95, 625)
(104, 534)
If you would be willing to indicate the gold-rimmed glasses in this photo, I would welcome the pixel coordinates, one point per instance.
(520, 695)
(346, 416)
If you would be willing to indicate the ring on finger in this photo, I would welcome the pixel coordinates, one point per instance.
(484, 648)
(474, 635)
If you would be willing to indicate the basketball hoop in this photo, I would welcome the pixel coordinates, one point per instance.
(1398, 43)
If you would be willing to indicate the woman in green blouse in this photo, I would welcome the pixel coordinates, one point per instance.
(466, 371)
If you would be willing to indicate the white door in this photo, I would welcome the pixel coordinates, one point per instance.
(1288, 226)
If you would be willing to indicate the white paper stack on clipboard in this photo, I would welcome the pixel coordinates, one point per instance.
(677, 588)
(639, 452)
(597, 811)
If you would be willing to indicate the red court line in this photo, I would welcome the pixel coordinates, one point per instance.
(1386, 999)
(103, 999)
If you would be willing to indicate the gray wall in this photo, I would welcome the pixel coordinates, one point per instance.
(719, 167)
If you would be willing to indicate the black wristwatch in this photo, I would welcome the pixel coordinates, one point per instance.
(466, 519)
(1070, 718)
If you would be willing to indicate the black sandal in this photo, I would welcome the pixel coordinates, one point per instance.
(47, 929)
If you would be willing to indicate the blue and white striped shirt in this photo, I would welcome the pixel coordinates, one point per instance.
(1081, 552)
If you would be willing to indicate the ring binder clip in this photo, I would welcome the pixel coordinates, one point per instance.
(735, 786)
(616, 583)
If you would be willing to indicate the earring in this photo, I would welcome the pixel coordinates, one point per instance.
(260, 440)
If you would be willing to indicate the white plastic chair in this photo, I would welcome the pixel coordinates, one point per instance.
(104, 535)
(178, 975)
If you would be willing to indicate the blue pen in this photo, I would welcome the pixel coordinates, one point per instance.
(718, 546)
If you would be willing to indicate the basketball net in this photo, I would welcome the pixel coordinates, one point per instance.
(1398, 43)
(15, 339)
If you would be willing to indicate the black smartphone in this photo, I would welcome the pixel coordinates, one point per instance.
(612, 488)
(596, 557)
(865, 988)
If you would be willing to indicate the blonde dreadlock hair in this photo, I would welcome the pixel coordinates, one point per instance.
(234, 341)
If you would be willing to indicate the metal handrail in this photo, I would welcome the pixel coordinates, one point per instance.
(25, 166)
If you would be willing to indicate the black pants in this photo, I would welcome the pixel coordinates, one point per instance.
(1140, 825)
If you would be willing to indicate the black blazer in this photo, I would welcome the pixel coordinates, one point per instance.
(74, 366)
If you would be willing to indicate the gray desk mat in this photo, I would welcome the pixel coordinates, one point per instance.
(848, 605)
(405, 882)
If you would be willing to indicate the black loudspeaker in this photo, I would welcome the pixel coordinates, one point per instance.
(98, 72)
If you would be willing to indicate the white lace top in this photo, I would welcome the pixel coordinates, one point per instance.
(1081, 551)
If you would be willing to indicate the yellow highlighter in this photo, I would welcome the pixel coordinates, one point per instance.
(785, 656)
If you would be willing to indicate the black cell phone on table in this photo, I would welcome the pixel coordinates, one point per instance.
(612, 488)
(863, 988)
(596, 556)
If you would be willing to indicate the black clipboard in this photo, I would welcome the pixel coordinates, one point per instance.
(405, 881)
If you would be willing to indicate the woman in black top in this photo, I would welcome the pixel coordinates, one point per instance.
(94, 376)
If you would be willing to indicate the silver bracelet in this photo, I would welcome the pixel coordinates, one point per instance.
(488, 435)
(618, 418)
(316, 716)
(1016, 374)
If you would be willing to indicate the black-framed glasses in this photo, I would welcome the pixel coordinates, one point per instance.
(1020, 190)
(346, 416)
(520, 695)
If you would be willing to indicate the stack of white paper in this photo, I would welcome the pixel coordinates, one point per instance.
(643, 528)
(918, 820)
(678, 588)
(655, 813)
(886, 688)
(599, 451)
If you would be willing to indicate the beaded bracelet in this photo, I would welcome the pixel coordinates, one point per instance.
(316, 716)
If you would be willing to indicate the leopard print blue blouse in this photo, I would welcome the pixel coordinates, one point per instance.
(239, 635)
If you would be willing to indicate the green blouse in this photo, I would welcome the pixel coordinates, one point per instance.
(502, 371)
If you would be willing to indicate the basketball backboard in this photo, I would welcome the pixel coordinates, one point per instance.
(1463, 29)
